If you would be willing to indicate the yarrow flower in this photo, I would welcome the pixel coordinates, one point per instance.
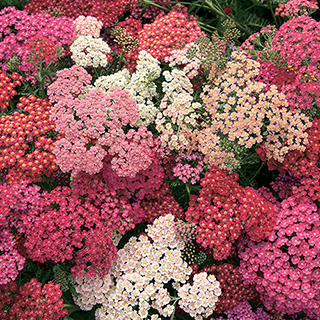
(285, 266)
(88, 51)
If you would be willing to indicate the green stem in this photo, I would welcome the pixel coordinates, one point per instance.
(250, 181)
(71, 308)
(273, 15)
(155, 4)
(188, 188)
(221, 13)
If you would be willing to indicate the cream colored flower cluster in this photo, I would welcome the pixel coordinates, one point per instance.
(88, 26)
(143, 88)
(119, 79)
(90, 52)
(244, 111)
(141, 272)
(91, 291)
(199, 299)
(178, 113)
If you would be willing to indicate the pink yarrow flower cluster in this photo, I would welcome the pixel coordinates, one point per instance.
(285, 267)
(99, 130)
(61, 226)
(58, 31)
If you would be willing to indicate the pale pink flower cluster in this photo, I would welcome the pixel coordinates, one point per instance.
(91, 123)
(88, 26)
(179, 57)
(91, 290)
(199, 299)
(141, 271)
(239, 106)
(178, 115)
(295, 8)
(163, 232)
(90, 52)
(188, 172)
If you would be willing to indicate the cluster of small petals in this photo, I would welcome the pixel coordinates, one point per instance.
(119, 79)
(290, 60)
(34, 301)
(60, 224)
(179, 57)
(163, 233)
(243, 311)
(301, 165)
(145, 182)
(91, 291)
(105, 11)
(99, 130)
(168, 32)
(160, 203)
(11, 262)
(56, 31)
(118, 213)
(7, 84)
(187, 172)
(88, 26)
(142, 87)
(38, 50)
(283, 185)
(209, 144)
(232, 287)
(6, 298)
(238, 105)
(178, 112)
(221, 210)
(141, 271)
(20, 132)
(199, 299)
(294, 8)
(285, 268)
(90, 52)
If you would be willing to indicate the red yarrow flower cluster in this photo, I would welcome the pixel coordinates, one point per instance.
(61, 226)
(118, 212)
(232, 286)
(34, 301)
(221, 210)
(168, 32)
(161, 203)
(107, 11)
(285, 267)
(7, 84)
(25, 148)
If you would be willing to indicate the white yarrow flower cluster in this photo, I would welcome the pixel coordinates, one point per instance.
(88, 26)
(143, 88)
(141, 271)
(119, 79)
(199, 299)
(90, 52)
(91, 291)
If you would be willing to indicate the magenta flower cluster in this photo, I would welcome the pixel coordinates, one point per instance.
(57, 30)
(285, 268)
(60, 226)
